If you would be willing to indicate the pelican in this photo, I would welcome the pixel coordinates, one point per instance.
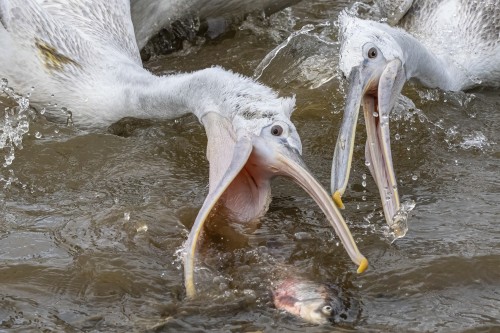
(83, 54)
(451, 44)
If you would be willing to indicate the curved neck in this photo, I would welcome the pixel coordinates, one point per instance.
(149, 96)
(423, 65)
(145, 95)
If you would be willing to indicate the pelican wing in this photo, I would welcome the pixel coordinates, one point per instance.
(108, 22)
(67, 36)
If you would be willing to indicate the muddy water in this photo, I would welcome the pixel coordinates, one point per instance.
(91, 223)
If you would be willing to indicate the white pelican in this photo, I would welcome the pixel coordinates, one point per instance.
(450, 44)
(83, 54)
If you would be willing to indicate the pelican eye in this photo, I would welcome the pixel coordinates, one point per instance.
(327, 309)
(276, 130)
(372, 53)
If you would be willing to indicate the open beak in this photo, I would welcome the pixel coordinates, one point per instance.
(254, 154)
(378, 89)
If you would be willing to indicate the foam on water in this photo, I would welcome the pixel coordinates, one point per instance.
(475, 140)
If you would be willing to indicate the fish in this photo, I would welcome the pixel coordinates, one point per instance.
(315, 303)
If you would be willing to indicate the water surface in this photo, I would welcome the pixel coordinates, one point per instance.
(91, 223)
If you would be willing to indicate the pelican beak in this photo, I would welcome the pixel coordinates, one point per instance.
(378, 89)
(261, 160)
(290, 164)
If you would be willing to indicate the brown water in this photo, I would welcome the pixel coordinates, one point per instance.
(91, 224)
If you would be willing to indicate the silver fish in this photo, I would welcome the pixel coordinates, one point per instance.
(313, 302)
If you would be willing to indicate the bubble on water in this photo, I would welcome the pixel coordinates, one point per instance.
(363, 183)
(375, 114)
(367, 163)
(397, 136)
(363, 176)
(38, 135)
(414, 177)
(126, 216)
(42, 111)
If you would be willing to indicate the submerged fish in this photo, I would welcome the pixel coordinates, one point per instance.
(313, 302)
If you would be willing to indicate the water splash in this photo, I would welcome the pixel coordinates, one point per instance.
(475, 140)
(272, 55)
(398, 227)
(15, 122)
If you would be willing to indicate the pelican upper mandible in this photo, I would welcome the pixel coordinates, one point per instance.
(83, 54)
(449, 44)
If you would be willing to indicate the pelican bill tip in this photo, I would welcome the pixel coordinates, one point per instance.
(337, 199)
(363, 265)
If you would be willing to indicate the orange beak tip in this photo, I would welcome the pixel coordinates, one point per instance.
(337, 199)
(363, 265)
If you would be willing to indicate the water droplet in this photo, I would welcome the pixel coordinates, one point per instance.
(375, 114)
(397, 136)
(126, 216)
(363, 183)
(363, 198)
(414, 177)
(3, 83)
(363, 176)
(367, 163)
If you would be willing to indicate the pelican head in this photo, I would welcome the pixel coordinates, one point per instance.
(373, 61)
(246, 150)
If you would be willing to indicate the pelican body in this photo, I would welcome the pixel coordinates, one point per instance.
(82, 55)
(449, 44)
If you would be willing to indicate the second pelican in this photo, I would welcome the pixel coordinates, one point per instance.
(452, 45)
